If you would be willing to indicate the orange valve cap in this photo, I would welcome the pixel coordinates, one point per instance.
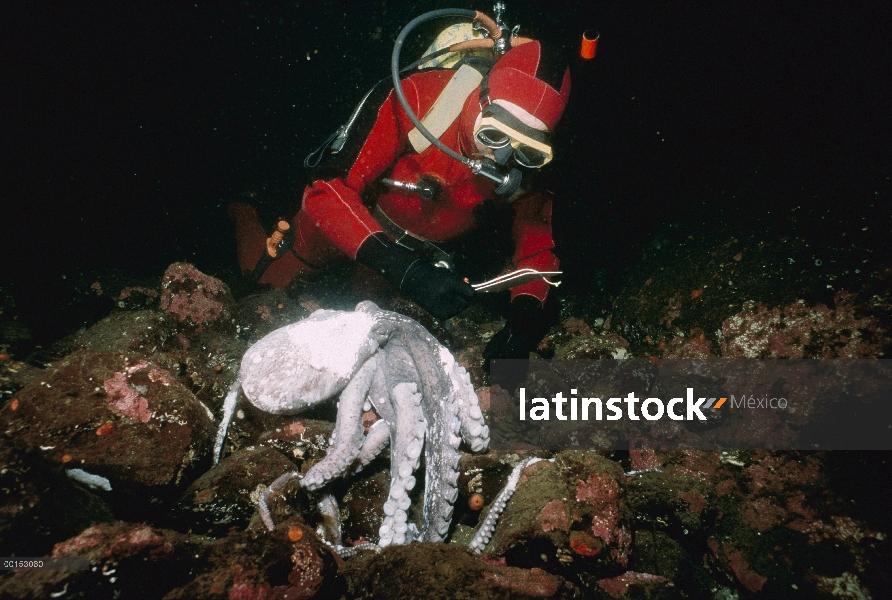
(278, 235)
(589, 44)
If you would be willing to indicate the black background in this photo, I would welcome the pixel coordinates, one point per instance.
(127, 126)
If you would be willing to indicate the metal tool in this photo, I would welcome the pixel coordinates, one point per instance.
(514, 279)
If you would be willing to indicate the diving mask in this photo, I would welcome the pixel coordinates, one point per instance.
(503, 147)
(508, 137)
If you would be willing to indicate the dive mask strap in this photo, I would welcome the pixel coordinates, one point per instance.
(484, 92)
(522, 134)
(503, 116)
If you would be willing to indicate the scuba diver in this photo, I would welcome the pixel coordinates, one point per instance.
(409, 184)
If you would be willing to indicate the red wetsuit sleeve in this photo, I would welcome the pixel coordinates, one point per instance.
(534, 246)
(336, 206)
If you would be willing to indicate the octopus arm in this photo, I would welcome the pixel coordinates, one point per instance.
(375, 441)
(487, 526)
(347, 439)
(441, 477)
(441, 447)
(228, 410)
(474, 431)
(405, 454)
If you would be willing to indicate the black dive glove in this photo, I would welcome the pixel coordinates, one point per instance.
(439, 291)
(525, 327)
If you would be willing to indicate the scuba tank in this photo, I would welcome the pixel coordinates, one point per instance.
(454, 34)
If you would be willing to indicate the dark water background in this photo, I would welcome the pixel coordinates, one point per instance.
(127, 126)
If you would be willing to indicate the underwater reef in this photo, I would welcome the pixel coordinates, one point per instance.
(108, 435)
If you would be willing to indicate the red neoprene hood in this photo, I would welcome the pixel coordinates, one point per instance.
(536, 81)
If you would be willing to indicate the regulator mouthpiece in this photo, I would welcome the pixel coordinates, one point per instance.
(507, 183)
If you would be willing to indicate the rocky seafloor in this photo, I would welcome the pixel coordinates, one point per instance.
(107, 438)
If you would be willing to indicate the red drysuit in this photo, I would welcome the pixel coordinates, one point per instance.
(333, 218)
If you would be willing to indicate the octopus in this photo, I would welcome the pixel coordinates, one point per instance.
(372, 358)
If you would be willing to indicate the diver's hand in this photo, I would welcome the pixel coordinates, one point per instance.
(526, 325)
(528, 317)
(507, 344)
(511, 349)
(439, 291)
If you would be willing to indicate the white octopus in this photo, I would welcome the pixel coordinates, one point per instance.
(381, 359)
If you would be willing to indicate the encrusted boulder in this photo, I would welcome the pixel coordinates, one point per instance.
(290, 562)
(126, 560)
(568, 510)
(802, 331)
(130, 332)
(199, 301)
(443, 571)
(39, 504)
(226, 496)
(127, 429)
